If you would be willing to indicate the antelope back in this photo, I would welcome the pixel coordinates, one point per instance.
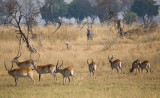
(20, 72)
(50, 68)
(26, 64)
(92, 66)
(135, 63)
(68, 71)
(115, 63)
(144, 64)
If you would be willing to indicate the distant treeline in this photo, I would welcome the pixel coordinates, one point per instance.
(80, 9)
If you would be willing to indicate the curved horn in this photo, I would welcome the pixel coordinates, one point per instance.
(57, 63)
(12, 65)
(18, 55)
(5, 66)
(109, 57)
(61, 64)
(112, 57)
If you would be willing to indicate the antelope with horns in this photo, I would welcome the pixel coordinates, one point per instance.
(92, 68)
(145, 65)
(24, 64)
(115, 64)
(135, 65)
(66, 72)
(20, 72)
(50, 68)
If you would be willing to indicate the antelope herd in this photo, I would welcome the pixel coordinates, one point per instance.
(27, 68)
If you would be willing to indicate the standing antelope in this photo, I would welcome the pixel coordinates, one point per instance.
(115, 64)
(145, 65)
(50, 68)
(24, 64)
(92, 68)
(20, 72)
(135, 65)
(66, 72)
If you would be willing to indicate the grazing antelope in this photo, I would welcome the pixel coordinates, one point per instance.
(115, 64)
(135, 65)
(92, 68)
(50, 68)
(66, 72)
(145, 65)
(24, 64)
(20, 72)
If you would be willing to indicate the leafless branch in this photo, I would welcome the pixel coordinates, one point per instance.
(107, 6)
(59, 25)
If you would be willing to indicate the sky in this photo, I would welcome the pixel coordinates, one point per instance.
(68, 1)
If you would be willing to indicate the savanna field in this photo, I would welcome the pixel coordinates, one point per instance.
(108, 84)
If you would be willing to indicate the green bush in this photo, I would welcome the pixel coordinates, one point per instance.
(130, 17)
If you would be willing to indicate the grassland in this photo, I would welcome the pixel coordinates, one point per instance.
(108, 84)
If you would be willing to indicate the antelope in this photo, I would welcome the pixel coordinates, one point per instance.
(145, 65)
(50, 68)
(115, 64)
(92, 68)
(66, 72)
(20, 72)
(24, 64)
(135, 65)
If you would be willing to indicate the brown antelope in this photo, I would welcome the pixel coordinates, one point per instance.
(92, 68)
(20, 72)
(135, 65)
(24, 64)
(66, 72)
(50, 68)
(115, 64)
(145, 65)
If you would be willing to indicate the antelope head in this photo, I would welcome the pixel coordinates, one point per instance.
(58, 68)
(88, 61)
(7, 68)
(16, 58)
(110, 59)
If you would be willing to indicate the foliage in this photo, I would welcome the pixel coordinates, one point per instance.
(2, 11)
(130, 17)
(80, 9)
(54, 9)
(145, 8)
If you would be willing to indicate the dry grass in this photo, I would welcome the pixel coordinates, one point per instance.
(108, 83)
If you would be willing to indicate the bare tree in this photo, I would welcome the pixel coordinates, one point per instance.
(89, 28)
(89, 34)
(110, 15)
(16, 17)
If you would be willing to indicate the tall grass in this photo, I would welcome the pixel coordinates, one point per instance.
(108, 84)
